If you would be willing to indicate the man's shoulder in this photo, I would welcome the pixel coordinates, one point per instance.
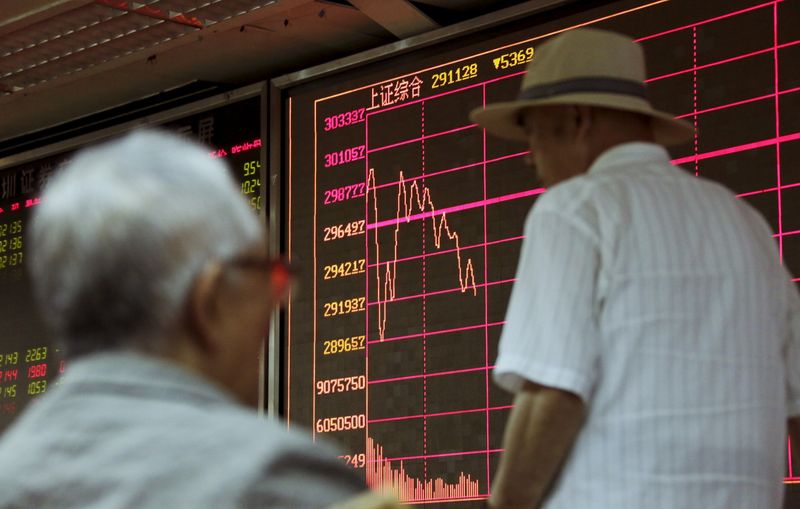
(218, 427)
(584, 191)
(613, 189)
(217, 450)
(581, 201)
(178, 427)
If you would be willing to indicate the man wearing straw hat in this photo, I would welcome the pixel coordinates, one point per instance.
(653, 337)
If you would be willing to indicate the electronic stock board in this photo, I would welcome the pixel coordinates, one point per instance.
(30, 361)
(406, 219)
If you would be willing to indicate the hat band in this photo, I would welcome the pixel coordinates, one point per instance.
(603, 85)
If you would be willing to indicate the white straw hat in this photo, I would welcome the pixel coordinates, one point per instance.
(584, 66)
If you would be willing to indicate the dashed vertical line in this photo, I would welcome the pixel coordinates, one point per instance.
(777, 127)
(694, 101)
(424, 323)
(486, 309)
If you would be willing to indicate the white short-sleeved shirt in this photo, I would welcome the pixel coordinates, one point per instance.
(659, 299)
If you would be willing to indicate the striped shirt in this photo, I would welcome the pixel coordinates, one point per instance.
(659, 299)
(125, 430)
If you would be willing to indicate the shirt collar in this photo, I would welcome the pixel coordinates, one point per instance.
(625, 155)
(140, 375)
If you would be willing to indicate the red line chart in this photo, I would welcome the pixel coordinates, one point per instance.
(410, 198)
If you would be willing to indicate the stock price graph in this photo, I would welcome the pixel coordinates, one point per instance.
(407, 220)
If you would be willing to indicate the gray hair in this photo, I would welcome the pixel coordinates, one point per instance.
(121, 234)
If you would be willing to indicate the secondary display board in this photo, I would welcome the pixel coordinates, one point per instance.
(30, 361)
(406, 220)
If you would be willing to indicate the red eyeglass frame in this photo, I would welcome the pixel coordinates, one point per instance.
(279, 269)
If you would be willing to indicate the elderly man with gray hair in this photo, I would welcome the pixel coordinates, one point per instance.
(154, 274)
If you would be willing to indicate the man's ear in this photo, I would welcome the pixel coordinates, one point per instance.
(584, 120)
(203, 309)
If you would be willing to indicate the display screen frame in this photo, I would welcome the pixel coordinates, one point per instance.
(363, 64)
(258, 90)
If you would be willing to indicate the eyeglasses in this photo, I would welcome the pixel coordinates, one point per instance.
(279, 270)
